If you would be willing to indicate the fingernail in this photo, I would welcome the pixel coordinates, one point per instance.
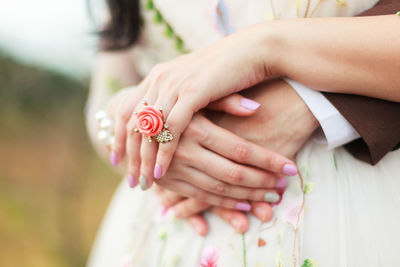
(143, 182)
(236, 224)
(289, 170)
(271, 197)
(157, 171)
(243, 206)
(113, 159)
(131, 181)
(199, 228)
(281, 183)
(260, 213)
(249, 104)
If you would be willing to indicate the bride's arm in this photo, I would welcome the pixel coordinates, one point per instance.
(341, 55)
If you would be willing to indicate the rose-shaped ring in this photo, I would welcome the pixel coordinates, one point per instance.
(150, 122)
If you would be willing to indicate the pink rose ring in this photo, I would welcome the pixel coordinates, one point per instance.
(150, 122)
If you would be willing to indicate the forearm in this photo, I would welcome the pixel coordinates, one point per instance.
(342, 55)
(112, 71)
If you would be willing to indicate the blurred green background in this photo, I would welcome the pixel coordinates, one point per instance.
(54, 189)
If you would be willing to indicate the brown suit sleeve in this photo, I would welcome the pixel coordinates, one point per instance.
(377, 121)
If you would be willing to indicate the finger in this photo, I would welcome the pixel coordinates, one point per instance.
(122, 114)
(262, 210)
(169, 198)
(133, 152)
(189, 207)
(199, 224)
(177, 121)
(238, 220)
(188, 190)
(235, 104)
(212, 185)
(232, 173)
(240, 150)
(148, 152)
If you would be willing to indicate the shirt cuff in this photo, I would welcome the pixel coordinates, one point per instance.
(337, 130)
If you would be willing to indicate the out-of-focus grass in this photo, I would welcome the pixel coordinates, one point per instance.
(53, 187)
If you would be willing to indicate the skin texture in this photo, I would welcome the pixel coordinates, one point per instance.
(189, 83)
(283, 128)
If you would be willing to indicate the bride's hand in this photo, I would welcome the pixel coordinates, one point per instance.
(182, 87)
(191, 210)
(215, 166)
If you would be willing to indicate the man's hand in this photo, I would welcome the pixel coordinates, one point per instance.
(283, 123)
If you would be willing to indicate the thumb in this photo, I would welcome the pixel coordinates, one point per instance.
(235, 104)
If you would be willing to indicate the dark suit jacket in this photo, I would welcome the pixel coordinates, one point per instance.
(377, 121)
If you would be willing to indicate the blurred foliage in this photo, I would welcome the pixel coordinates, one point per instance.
(54, 189)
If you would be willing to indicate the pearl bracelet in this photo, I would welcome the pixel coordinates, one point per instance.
(105, 133)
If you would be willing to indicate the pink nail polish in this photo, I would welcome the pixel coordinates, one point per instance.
(157, 171)
(289, 170)
(131, 181)
(243, 206)
(113, 159)
(281, 183)
(249, 104)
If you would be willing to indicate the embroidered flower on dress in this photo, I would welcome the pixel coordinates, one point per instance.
(209, 257)
(291, 214)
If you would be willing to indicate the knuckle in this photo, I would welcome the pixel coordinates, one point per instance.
(234, 175)
(268, 181)
(272, 162)
(124, 114)
(219, 188)
(199, 194)
(182, 153)
(195, 130)
(241, 152)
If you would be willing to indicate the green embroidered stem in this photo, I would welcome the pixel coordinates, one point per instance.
(244, 250)
(335, 161)
(163, 238)
(169, 31)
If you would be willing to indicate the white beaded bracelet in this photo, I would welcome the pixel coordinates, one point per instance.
(105, 133)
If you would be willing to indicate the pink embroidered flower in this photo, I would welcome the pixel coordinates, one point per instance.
(291, 214)
(209, 257)
(150, 121)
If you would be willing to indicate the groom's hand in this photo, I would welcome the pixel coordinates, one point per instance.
(283, 123)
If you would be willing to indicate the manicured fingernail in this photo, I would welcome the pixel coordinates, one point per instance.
(131, 181)
(289, 170)
(236, 224)
(281, 183)
(157, 171)
(260, 213)
(143, 182)
(271, 197)
(249, 104)
(243, 206)
(113, 159)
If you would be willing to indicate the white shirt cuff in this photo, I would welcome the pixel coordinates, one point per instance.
(337, 130)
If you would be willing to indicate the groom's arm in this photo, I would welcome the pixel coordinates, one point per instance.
(377, 121)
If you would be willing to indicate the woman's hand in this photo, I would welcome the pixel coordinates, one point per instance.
(182, 87)
(191, 209)
(213, 165)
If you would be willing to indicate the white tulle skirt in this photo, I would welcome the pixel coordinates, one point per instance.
(338, 212)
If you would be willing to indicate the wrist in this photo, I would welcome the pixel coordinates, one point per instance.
(271, 41)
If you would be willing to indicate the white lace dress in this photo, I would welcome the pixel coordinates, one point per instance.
(338, 212)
